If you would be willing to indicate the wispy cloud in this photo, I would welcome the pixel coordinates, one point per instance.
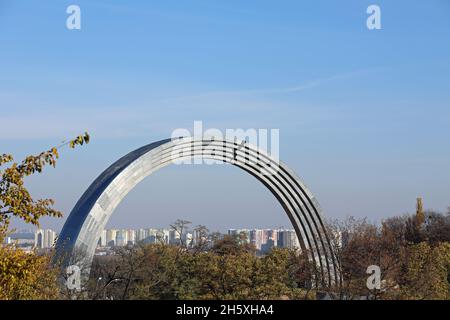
(273, 91)
(251, 108)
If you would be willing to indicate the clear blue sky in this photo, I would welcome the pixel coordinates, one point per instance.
(367, 127)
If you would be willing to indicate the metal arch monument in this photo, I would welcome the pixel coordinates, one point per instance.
(88, 218)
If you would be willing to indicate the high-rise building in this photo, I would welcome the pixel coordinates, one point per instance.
(102, 241)
(121, 238)
(256, 238)
(50, 238)
(151, 235)
(288, 239)
(44, 238)
(174, 237)
(188, 239)
(243, 234)
(131, 237)
(164, 235)
(111, 237)
(39, 239)
(141, 234)
(272, 235)
(266, 247)
(199, 237)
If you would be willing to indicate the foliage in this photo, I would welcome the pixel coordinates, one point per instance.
(413, 256)
(26, 275)
(159, 271)
(229, 268)
(15, 199)
(427, 271)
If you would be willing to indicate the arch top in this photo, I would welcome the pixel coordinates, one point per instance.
(83, 227)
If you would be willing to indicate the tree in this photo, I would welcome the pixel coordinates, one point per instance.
(180, 227)
(437, 227)
(229, 269)
(427, 271)
(26, 275)
(411, 251)
(232, 245)
(359, 244)
(201, 236)
(15, 199)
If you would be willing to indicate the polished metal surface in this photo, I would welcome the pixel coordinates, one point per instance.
(88, 218)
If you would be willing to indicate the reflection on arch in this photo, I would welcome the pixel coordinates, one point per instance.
(88, 218)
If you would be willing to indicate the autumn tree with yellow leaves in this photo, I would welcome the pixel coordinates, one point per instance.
(26, 275)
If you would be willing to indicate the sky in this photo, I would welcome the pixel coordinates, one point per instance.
(364, 115)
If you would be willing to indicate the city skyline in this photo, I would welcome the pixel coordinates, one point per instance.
(167, 227)
(263, 239)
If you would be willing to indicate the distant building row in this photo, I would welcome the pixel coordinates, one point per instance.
(123, 237)
(266, 239)
(262, 239)
(28, 240)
